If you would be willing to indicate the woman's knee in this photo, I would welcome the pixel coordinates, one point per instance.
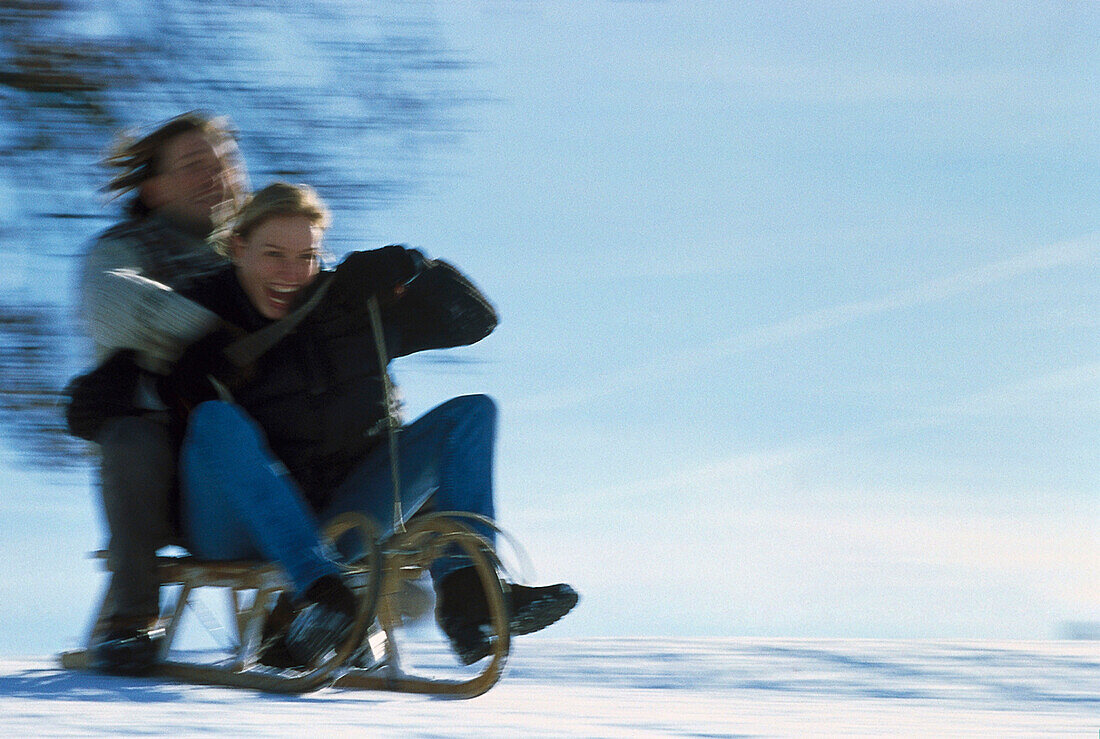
(214, 414)
(477, 406)
(216, 420)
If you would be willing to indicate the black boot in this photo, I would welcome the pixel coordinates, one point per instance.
(532, 609)
(462, 611)
(324, 623)
(127, 645)
(273, 651)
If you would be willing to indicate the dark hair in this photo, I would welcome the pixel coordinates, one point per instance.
(136, 157)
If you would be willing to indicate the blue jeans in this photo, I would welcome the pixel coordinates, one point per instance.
(239, 502)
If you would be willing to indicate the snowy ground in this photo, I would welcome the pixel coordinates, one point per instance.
(618, 688)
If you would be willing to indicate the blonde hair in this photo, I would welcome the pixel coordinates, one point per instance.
(281, 199)
(136, 157)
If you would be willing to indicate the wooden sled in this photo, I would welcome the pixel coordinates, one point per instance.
(379, 576)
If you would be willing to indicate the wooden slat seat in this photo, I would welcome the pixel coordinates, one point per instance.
(243, 574)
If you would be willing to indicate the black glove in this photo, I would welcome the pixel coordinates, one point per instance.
(189, 382)
(380, 271)
(104, 393)
(440, 309)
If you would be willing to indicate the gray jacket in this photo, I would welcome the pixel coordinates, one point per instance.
(128, 295)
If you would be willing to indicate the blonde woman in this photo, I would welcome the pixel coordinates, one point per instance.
(303, 439)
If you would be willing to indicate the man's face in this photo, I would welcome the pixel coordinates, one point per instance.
(277, 259)
(191, 182)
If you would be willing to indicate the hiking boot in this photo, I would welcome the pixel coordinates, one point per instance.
(462, 611)
(272, 651)
(532, 609)
(126, 645)
(463, 615)
(471, 642)
(324, 624)
(414, 600)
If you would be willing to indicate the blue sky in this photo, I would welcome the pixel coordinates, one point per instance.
(800, 328)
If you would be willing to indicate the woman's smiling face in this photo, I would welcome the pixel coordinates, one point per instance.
(277, 259)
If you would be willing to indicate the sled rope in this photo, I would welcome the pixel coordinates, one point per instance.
(392, 427)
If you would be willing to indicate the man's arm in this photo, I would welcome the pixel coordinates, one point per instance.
(124, 310)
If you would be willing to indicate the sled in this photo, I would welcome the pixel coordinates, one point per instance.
(379, 577)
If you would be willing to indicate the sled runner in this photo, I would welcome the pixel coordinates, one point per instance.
(370, 658)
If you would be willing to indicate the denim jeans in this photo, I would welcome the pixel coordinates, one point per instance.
(239, 502)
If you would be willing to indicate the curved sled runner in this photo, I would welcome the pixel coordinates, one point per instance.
(379, 576)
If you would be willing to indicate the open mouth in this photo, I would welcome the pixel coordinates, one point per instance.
(280, 297)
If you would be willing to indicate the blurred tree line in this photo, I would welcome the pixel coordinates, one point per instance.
(353, 96)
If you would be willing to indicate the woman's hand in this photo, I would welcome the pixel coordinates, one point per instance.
(382, 272)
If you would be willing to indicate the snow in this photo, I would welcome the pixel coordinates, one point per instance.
(622, 688)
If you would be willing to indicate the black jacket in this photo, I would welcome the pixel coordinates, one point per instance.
(318, 393)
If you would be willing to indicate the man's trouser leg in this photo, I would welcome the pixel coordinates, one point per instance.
(136, 479)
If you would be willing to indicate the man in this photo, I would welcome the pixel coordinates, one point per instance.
(184, 178)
